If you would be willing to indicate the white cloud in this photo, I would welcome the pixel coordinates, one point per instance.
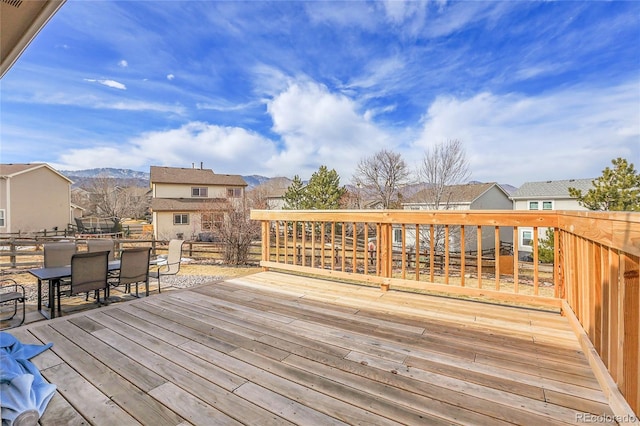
(321, 128)
(514, 139)
(223, 149)
(123, 64)
(170, 77)
(109, 83)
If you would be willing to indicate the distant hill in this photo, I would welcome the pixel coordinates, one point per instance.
(127, 177)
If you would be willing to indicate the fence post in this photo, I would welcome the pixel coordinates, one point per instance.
(12, 249)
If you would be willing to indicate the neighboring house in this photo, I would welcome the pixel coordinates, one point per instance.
(272, 192)
(34, 197)
(188, 202)
(474, 196)
(548, 195)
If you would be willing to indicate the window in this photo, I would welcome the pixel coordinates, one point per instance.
(547, 205)
(2, 219)
(397, 235)
(527, 238)
(234, 192)
(199, 191)
(533, 205)
(209, 220)
(180, 219)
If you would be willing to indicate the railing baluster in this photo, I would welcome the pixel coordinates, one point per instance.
(446, 254)
(463, 255)
(479, 254)
(496, 243)
(432, 251)
(535, 260)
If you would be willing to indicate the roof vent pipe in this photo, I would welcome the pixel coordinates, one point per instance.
(201, 165)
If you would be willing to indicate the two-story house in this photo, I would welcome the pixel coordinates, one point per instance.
(546, 195)
(188, 202)
(472, 196)
(34, 197)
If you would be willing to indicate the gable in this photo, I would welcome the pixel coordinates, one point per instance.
(13, 170)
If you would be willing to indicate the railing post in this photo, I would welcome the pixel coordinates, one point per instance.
(265, 242)
(386, 253)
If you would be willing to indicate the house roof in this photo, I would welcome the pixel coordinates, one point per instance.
(188, 204)
(20, 22)
(274, 187)
(457, 194)
(193, 176)
(11, 170)
(551, 188)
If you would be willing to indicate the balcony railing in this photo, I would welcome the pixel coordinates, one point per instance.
(593, 278)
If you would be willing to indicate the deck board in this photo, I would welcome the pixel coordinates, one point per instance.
(273, 348)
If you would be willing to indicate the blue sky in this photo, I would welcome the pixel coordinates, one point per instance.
(535, 90)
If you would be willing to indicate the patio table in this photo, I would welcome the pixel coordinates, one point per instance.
(53, 276)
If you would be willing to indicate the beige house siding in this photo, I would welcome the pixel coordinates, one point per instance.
(172, 190)
(165, 190)
(34, 199)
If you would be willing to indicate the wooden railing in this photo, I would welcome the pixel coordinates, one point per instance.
(593, 278)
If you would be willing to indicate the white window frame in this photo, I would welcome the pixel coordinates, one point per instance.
(234, 192)
(525, 239)
(532, 203)
(550, 203)
(199, 191)
(181, 216)
(3, 216)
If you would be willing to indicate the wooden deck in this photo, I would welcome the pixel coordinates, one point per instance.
(273, 348)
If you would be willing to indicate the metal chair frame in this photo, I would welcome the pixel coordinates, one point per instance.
(12, 293)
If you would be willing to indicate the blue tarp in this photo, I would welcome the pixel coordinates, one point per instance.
(23, 390)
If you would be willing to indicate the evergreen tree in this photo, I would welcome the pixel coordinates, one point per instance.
(618, 189)
(294, 197)
(324, 191)
(546, 247)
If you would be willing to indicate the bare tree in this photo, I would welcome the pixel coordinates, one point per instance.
(237, 231)
(116, 199)
(381, 177)
(443, 165)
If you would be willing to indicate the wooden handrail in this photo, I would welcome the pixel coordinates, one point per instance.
(594, 274)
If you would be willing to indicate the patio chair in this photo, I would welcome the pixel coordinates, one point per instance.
(134, 268)
(58, 254)
(12, 293)
(102, 244)
(89, 272)
(82, 229)
(172, 265)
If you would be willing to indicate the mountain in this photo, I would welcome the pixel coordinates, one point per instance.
(122, 177)
(255, 180)
(127, 177)
(107, 172)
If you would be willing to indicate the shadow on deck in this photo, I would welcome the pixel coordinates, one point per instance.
(273, 348)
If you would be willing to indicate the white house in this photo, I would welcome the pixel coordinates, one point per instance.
(546, 195)
(473, 196)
